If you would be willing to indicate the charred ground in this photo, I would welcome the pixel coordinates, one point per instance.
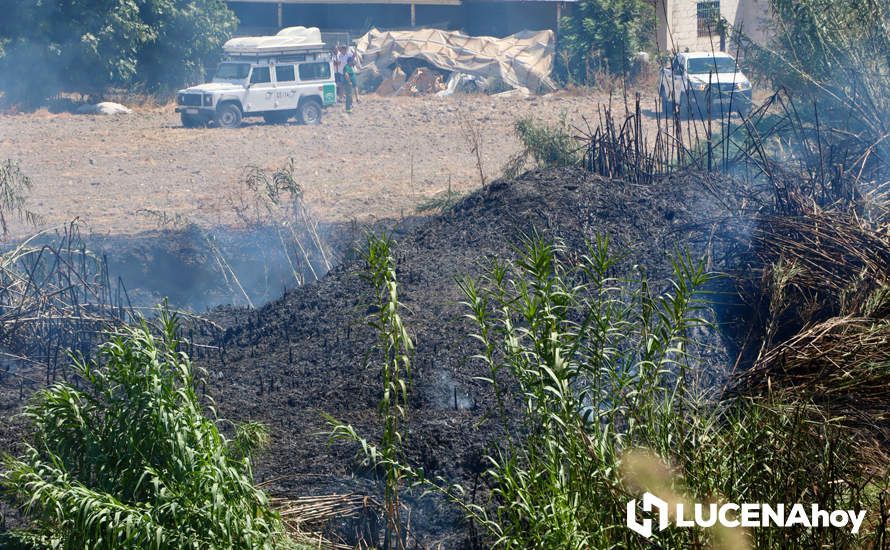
(311, 352)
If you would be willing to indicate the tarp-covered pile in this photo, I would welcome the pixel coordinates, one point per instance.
(521, 60)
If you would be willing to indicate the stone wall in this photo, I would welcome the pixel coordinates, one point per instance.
(677, 23)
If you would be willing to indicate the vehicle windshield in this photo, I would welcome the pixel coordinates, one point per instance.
(232, 71)
(705, 65)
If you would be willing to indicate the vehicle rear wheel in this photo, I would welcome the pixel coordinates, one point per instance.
(228, 115)
(278, 117)
(309, 112)
(192, 121)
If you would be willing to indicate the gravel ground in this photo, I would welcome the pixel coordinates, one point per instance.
(381, 161)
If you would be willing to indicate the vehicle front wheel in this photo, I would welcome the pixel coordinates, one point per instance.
(278, 117)
(192, 121)
(228, 115)
(309, 112)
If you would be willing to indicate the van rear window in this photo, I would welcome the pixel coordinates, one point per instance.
(315, 71)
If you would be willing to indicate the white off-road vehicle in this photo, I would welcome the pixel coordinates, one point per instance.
(704, 84)
(275, 77)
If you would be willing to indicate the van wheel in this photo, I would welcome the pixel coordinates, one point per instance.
(309, 112)
(228, 115)
(278, 117)
(192, 121)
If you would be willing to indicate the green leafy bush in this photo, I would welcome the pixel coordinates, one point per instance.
(544, 146)
(602, 36)
(69, 46)
(128, 459)
(833, 55)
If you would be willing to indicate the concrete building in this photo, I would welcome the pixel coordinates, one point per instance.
(355, 17)
(694, 25)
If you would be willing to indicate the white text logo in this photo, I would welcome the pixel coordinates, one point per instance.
(737, 515)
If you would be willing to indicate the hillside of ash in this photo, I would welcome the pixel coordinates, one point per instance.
(312, 351)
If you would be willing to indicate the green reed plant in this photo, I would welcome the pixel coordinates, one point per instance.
(14, 188)
(591, 370)
(599, 366)
(128, 457)
(566, 343)
(396, 348)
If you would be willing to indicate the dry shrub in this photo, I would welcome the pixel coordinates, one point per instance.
(842, 363)
(832, 262)
(824, 325)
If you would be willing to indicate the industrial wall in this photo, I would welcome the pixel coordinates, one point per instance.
(474, 18)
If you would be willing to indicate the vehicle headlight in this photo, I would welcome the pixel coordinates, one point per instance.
(179, 99)
(208, 100)
(699, 86)
(743, 85)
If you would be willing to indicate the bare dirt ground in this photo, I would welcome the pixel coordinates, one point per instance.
(381, 161)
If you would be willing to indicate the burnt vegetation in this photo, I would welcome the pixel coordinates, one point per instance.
(704, 314)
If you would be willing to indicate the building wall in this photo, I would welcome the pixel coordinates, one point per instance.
(504, 18)
(474, 18)
(263, 16)
(755, 20)
(677, 23)
(341, 17)
(255, 14)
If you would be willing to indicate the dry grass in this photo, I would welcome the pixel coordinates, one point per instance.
(843, 363)
(824, 311)
(306, 517)
(834, 261)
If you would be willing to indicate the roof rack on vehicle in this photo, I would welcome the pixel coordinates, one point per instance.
(291, 40)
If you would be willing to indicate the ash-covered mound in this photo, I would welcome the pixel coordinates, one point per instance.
(310, 351)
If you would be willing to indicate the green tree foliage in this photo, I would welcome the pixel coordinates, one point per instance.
(46, 47)
(189, 34)
(129, 460)
(603, 36)
(836, 54)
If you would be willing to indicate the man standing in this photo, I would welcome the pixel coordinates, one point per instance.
(349, 87)
(341, 60)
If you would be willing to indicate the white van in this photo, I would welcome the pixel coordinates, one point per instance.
(276, 77)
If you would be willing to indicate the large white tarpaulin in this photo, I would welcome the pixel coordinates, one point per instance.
(524, 59)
